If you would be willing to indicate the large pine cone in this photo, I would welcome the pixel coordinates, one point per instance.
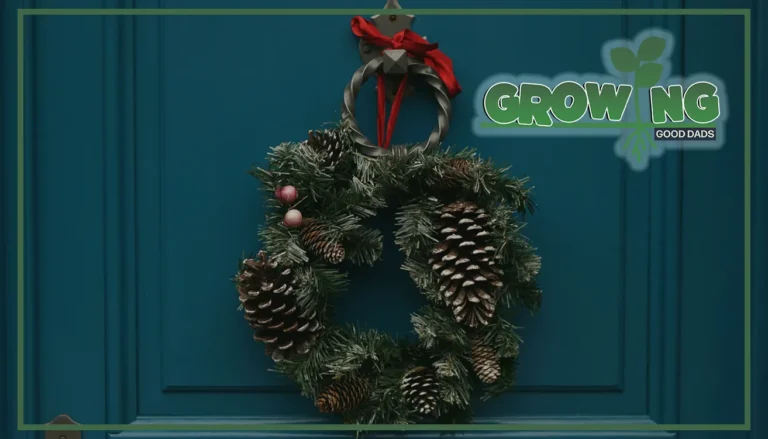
(267, 294)
(329, 143)
(465, 264)
(343, 396)
(485, 362)
(421, 390)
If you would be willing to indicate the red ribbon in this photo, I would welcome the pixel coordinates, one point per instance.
(416, 47)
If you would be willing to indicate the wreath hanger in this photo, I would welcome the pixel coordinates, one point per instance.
(388, 25)
(392, 52)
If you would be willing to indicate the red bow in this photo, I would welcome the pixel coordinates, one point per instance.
(414, 45)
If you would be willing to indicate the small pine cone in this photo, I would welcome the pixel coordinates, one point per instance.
(343, 396)
(421, 390)
(465, 264)
(266, 292)
(461, 166)
(329, 143)
(312, 235)
(457, 170)
(485, 362)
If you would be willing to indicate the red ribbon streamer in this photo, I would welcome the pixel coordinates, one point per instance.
(416, 47)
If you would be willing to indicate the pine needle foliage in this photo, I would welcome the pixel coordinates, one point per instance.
(341, 197)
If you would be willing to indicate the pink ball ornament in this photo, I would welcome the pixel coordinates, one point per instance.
(278, 193)
(288, 195)
(292, 218)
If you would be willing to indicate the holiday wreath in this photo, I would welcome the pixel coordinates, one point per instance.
(459, 224)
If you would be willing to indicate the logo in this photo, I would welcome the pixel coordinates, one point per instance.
(637, 102)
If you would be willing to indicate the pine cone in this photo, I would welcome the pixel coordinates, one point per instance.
(343, 396)
(460, 166)
(329, 144)
(464, 262)
(421, 390)
(312, 235)
(485, 362)
(457, 170)
(267, 295)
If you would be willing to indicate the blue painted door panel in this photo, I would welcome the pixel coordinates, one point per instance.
(138, 137)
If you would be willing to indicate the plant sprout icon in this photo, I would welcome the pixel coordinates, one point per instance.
(647, 73)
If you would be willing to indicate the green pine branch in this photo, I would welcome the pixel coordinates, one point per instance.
(316, 285)
(415, 226)
(437, 328)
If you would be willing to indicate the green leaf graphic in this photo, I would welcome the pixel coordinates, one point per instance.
(624, 59)
(639, 148)
(648, 75)
(651, 48)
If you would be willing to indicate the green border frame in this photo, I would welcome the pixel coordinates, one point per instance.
(746, 13)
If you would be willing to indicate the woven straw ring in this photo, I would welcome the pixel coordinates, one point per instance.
(384, 64)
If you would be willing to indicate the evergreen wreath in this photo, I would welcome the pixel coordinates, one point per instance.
(459, 224)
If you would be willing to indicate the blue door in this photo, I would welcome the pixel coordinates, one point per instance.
(138, 135)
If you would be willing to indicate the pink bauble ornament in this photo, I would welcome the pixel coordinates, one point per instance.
(277, 193)
(289, 194)
(292, 218)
